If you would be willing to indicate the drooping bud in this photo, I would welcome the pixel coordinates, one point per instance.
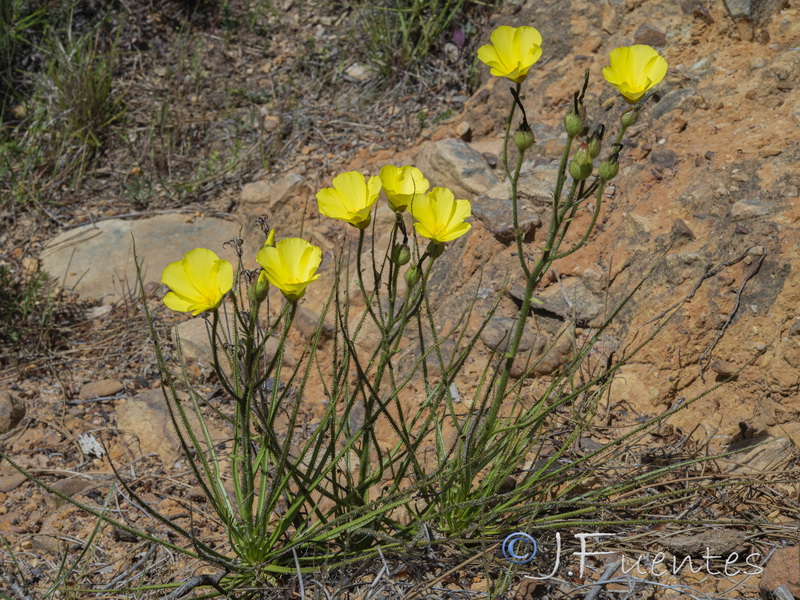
(608, 169)
(629, 118)
(581, 165)
(412, 276)
(596, 140)
(401, 254)
(523, 138)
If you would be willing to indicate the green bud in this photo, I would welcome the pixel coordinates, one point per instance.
(582, 154)
(524, 139)
(573, 124)
(608, 170)
(596, 140)
(578, 171)
(412, 276)
(581, 165)
(401, 254)
(594, 147)
(258, 290)
(629, 118)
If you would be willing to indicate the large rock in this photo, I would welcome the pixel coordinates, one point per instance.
(453, 163)
(571, 300)
(497, 216)
(101, 389)
(265, 195)
(96, 261)
(783, 569)
(756, 11)
(12, 409)
(196, 346)
(499, 330)
(146, 417)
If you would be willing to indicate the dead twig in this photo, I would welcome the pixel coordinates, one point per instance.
(199, 581)
(604, 578)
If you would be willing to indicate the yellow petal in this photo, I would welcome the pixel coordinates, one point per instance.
(331, 204)
(224, 276)
(513, 51)
(454, 233)
(199, 266)
(488, 55)
(633, 70)
(423, 231)
(373, 190)
(463, 210)
(177, 303)
(390, 177)
(352, 190)
(175, 277)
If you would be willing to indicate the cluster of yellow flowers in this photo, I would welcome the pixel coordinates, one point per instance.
(200, 281)
(633, 70)
(438, 215)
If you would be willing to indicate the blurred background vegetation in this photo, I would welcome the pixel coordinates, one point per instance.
(111, 108)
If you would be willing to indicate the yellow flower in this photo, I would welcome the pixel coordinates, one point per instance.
(440, 217)
(350, 199)
(198, 282)
(291, 266)
(634, 69)
(402, 184)
(513, 51)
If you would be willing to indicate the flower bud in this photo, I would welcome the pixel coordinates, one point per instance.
(401, 254)
(258, 291)
(412, 276)
(596, 140)
(523, 138)
(573, 124)
(578, 171)
(608, 170)
(629, 118)
(594, 147)
(581, 165)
